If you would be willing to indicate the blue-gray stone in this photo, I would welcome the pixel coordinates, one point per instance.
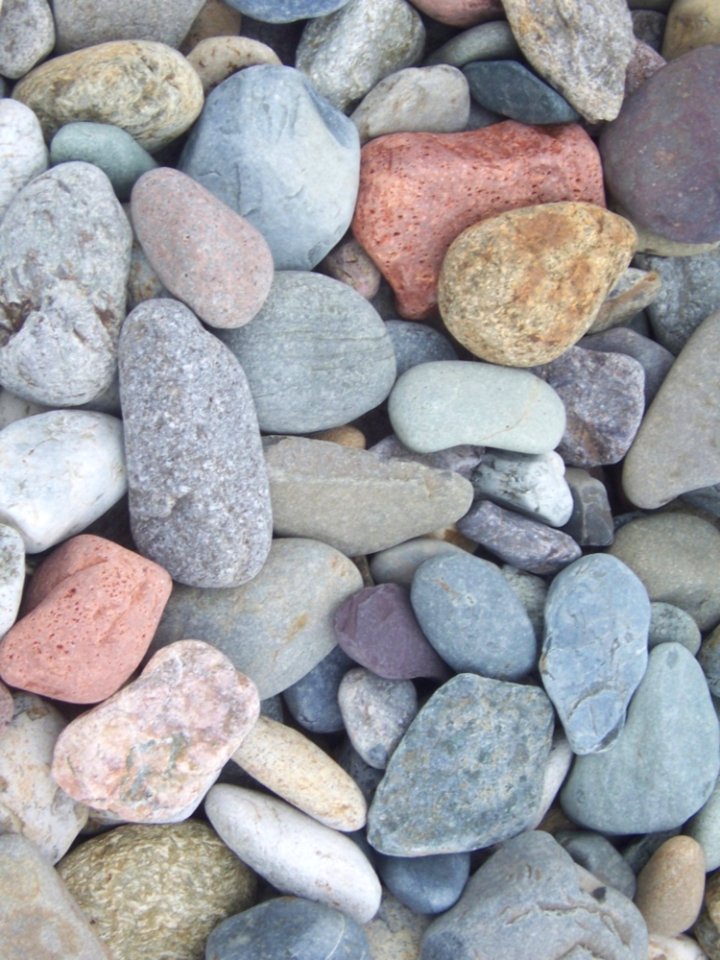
(663, 766)
(486, 41)
(637, 853)
(365, 776)
(509, 88)
(313, 701)
(281, 156)
(709, 659)
(707, 498)
(530, 899)
(111, 148)
(317, 354)
(286, 11)
(600, 857)
(425, 884)
(705, 828)
(591, 522)
(670, 624)
(469, 771)
(288, 927)
(472, 617)
(652, 357)
(594, 655)
(417, 343)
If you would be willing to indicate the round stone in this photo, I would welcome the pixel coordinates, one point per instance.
(426, 884)
(398, 564)
(508, 88)
(217, 58)
(670, 886)
(376, 713)
(669, 624)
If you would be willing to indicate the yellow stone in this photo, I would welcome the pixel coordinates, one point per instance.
(347, 436)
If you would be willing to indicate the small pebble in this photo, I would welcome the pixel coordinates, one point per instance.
(674, 948)
(670, 624)
(705, 828)
(670, 887)
(395, 932)
(82, 25)
(653, 358)
(531, 591)
(313, 699)
(285, 11)
(634, 291)
(348, 263)
(508, 88)
(27, 35)
(398, 564)
(426, 884)
(591, 522)
(214, 19)
(486, 41)
(376, 713)
(217, 58)
(111, 148)
(597, 855)
(416, 343)
(365, 776)
(462, 459)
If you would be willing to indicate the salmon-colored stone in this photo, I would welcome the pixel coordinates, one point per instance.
(91, 609)
(461, 13)
(418, 191)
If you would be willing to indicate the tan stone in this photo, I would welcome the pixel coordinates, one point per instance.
(520, 288)
(216, 19)
(216, 58)
(634, 291)
(690, 24)
(674, 948)
(147, 88)
(347, 436)
(670, 886)
(396, 932)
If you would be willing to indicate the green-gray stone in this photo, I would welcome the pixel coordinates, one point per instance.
(509, 88)
(112, 149)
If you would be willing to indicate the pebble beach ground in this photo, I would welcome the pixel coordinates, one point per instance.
(359, 480)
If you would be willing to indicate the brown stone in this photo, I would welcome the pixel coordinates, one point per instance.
(217, 58)
(670, 886)
(690, 24)
(418, 191)
(347, 436)
(461, 13)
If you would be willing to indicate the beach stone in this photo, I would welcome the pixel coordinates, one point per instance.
(594, 654)
(508, 88)
(591, 522)
(597, 855)
(27, 35)
(524, 543)
(62, 287)
(398, 564)
(468, 773)
(286, 11)
(378, 629)
(288, 924)
(651, 164)
(278, 154)
(416, 343)
(485, 41)
(214, 19)
(533, 485)
(312, 700)
(419, 191)
(346, 53)
(690, 24)
(348, 263)
(85, 23)
(316, 355)
(634, 291)
(531, 891)
(198, 494)
(652, 357)
(23, 154)
(161, 741)
(90, 612)
(217, 58)
(147, 88)
(354, 501)
(670, 887)
(395, 932)
(376, 713)
(59, 471)
(709, 660)
(206, 255)
(426, 884)
(473, 618)
(531, 591)
(582, 52)
(461, 13)
(705, 828)
(112, 149)
(157, 890)
(670, 624)
(434, 98)
(12, 577)
(674, 948)
(38, 916)
(296, 769)
(554, 773)
(293, 852)
(663, 765)
(638, 852)
(276, 627)
(462, 459)
(676, 556)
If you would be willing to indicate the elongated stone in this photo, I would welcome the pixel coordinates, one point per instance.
(84, 23)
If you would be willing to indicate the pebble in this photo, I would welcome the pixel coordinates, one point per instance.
(663, 765)
(473, 617)
(635, 290)
(345, 54)
(486, 41)
(62, 286)
(670, 624)
(705, 828)
(317, 354)
(461, 13)
(206, 255)
(398, 564)
(217, 58)
(293, 852)
(276, 627)
(426, 884)
(111, 148)
(23, 154)
(80, 24)
(594, 655)
(462, 459)
(292, 926)
(273, 150)
(395, 932)
(376, 713)
(198, 490)
(597, 855)
(531, 891)
(286, 11)
(345, 436)
(59, 471)
(709, 660)
(670, 887)
(161, 741)
(652, 357)
(674, 948)
(12, 577)
(531, 591)
(416, 343)
(468, 773)
(532, 485)
(419, 191)
(706, 929)
(312, 700)
(348, 263)
(27, 35)
(378, 629)
(591, 522)
(38, 916)
(214, 19)
(690, 24)
(354, 501)
(509, 88)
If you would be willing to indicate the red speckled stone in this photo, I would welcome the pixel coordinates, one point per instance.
(91, 609)
(418, 191)
(461, 13)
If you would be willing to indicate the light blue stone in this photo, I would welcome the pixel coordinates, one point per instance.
(112, 149)
(285, 11)
(600, 857)
(509, 88)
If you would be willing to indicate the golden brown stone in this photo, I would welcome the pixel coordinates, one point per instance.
(217, 58)
(346, 436)
(670, 886)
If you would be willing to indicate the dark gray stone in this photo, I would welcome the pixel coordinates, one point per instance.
(473, 618)
(313, 699)
(670, 624)
(469, 771)
(463, 459)
(600, 857)
(509, 88)
(425, 884)
(654, 359)
(709, 660)
(365, 776)
(591, 522)
(417, 343)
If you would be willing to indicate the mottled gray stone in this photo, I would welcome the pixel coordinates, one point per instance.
(463, 459)
(376, 713)
(507, 87)
(281, 156)
(486, 41)
(119, 156)
(532, 485)
(278, 626)
(398, 564)
(670, 624)
(597, 855)
(198, 491)
(425, 884)
(23, 154)
(705, 828)
(591, 522)
(594, 654)
(663, 766)
(473, 618)
(709, 660)
(317, 354)
(531, 591)
(313, 699)
(84, 23)
(469, 771)
(416, 343)
(365, 776)
(64, 261)
(652, 357)
(27, 35)
(530, 893)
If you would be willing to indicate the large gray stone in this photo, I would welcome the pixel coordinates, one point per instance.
(84, 23)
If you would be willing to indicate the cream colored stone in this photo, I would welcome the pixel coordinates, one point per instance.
(690, 24)
(674, 948)
(670, 886)
(216, 58)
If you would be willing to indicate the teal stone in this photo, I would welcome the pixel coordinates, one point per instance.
(110, 148)
(510, 89)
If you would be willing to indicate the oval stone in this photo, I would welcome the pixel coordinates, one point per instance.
(507, 87)
(217, 58)
(23, 154)
(426, 884)
(670, 886)
(27, 35)
(376, 713)
(84, 23)
(112, 149)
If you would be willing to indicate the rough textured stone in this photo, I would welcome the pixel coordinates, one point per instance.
(591, 522)
(670, 886)
(418, 191)
(112, 149)
(634, 291)
(395, 932)
(376, 713)
(533, 485)
(27, 35)
(653, 358)
(468, 773)
(312, 700)
(508, 88)
(690, 24)
(398, 564)
(161, 741)
(217, 58)
(671, 624)
(426, 884)
(348, 263)
(597, 855)
(198, 494)
(23, 154)
(85, 23)
(486, 41)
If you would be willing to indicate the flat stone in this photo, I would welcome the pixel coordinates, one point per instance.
(286, 11)
(486, 41)
(277, 627)
(198, 490)
(597, 855)
(652, 357)
(27, 35)
(398, 564)
(509, 88)
(160, 742)
(670, 624)
(690, 24)
(376, 713)
(663, 766)
(354, 501)
(395, 932)
(85, 23)
(532, 485)
(594, 655)
(419, 191)
(111, 148)
(293, 852)
(312, 700)
(635, 290)
(416, 343)
(462, 459)
(274, 151)
(468, 773)
(426, 884)
(348, 263)
(12, 576)
(217, 58)
(203, 252)
(591, 522)
(23, 154)
(670, 887)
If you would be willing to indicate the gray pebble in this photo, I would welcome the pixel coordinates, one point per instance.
(425, 884)
(398, 564)
(705, 828)
(591, 522)
(637, 853)
(509, 88)
(600, 857)
(486, 41)
(27, 35)
(313, 699)
(111, 148)
(365, 776)
(417, 343)
(531, 591)
(654, 359)
(84, 23)
(462, 460)
(376, 713)
(670, 624)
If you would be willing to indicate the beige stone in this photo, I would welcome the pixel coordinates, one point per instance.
(674, 948)
(216, 19)
(519, 288)
(347, 436)
(216, 58)
(670, 886)
(634, 291)
(396, 932)
(690, 24)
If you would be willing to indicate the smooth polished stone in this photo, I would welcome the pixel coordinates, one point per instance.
(111, 148)
(376, 712)
(85, 23)
(27, 35)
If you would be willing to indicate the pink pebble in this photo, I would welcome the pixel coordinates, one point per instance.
(461, 13)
